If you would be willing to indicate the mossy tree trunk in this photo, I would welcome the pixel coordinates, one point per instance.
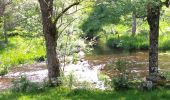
(153, 16)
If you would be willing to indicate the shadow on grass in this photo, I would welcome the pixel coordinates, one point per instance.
(83, 94)
(5, 46)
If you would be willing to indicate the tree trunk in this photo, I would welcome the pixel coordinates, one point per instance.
(133, 24)
(153, 21)
(52, 59)
(50, 33)
(2, 8)
(5, 31)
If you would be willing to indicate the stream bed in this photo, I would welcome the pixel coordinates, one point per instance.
(137, 61)
(137, 65)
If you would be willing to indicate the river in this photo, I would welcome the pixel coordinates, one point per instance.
(137, 61)
(137, 66)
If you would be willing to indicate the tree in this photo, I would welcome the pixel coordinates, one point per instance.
(51, 35)
(134, 24)
(104, 13)
(2, 7)
(3, 4)
(138, 11)
(153, 16)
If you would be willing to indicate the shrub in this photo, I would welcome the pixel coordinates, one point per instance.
(166, 74)
(106, 79)
(3, 70)
(24, 85)
(68, 80)
(121, 82)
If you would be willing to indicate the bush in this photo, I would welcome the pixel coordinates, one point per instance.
(69, 80)
(166, 74)
(3, 70)
(24, 85)
(121, 82)
(106, 79)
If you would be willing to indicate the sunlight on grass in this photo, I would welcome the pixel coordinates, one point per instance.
(21, 51)
(62, 93)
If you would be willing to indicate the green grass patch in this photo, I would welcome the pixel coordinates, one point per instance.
(83, 94)
(139, 42)
(21, 50)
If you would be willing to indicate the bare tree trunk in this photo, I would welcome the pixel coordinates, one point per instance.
(153, 21)
(134, 24)
(50, 33)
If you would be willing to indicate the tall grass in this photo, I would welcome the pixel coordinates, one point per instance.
(139, 42)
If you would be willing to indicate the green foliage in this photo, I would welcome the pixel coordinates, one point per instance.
(68, 80)
(166, 74)
(104, 13)
(22, 50)
(3, 70)
(23, 15)
(139, 42)
(61, 93)
(104, 78)
(129, 43)
(121, 82)
(120, 65)
(24, 85)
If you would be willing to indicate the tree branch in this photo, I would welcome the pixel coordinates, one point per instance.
(65, 10)
(66, 27)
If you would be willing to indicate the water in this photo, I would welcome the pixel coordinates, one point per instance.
(137, 66)
(137, 61)
(82, 71)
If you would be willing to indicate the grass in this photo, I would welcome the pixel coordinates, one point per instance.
(83, 94)
(129, 43)
(121, 37)
(20, 50)
(139, 42)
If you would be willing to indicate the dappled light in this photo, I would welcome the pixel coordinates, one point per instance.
(84, 50)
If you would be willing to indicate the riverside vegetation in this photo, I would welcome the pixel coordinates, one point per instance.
(29, 33)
